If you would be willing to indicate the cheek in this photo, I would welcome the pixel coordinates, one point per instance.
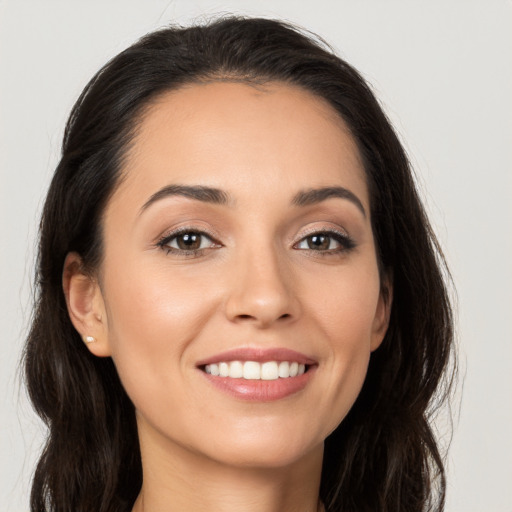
(346, 316)
(346, 306)
(153, 316)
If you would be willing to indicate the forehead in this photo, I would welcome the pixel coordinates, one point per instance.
(241, 136)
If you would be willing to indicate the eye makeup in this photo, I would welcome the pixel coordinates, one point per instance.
(187, 242)
(193, 242)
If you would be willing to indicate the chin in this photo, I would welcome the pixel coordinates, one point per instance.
(266, 447)
(268, 456)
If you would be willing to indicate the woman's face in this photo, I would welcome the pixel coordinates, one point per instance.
(239, 242)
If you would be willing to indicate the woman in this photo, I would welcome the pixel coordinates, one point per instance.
(241, 301)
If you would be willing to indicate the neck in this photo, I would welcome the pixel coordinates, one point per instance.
(176, 480)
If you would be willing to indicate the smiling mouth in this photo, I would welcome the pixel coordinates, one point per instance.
(253, 370)
(259, 374)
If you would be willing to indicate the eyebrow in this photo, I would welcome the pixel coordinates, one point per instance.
(197, 192)
(216, 196)
(317, 195)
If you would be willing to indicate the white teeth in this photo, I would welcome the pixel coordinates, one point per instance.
(252, 370)
(269, 371)
(284, 369)
(224, 369)
(236, 370)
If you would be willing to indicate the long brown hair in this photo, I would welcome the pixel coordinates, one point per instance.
(383, 456)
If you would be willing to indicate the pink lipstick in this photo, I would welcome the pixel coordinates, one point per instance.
(259, 374)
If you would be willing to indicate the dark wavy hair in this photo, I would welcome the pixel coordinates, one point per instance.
(383, 456)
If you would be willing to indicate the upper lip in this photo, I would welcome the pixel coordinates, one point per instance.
(259, 355)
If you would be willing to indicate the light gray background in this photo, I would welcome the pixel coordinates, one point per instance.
(443, 70)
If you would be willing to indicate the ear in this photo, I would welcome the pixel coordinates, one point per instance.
(86, 307)
(382, 313)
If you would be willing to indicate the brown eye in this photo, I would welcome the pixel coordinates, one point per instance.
(319, 242)
(328, 242)
(189, 241)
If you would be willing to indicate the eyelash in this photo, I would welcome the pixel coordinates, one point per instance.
(163, 243)
(346, 243)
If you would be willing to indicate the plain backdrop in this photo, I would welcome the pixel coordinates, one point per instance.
(443, 71)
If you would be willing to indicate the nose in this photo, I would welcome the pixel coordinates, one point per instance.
(262, 291)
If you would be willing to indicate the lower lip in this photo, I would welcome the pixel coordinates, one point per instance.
(261, 390)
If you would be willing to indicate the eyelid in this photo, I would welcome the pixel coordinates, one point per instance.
(346, 242)
(163, 240)
(173, 232)
(336, 232)
(322, 229)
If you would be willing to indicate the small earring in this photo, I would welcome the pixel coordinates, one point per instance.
(89, 339)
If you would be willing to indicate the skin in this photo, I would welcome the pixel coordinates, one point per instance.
(256, 284)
